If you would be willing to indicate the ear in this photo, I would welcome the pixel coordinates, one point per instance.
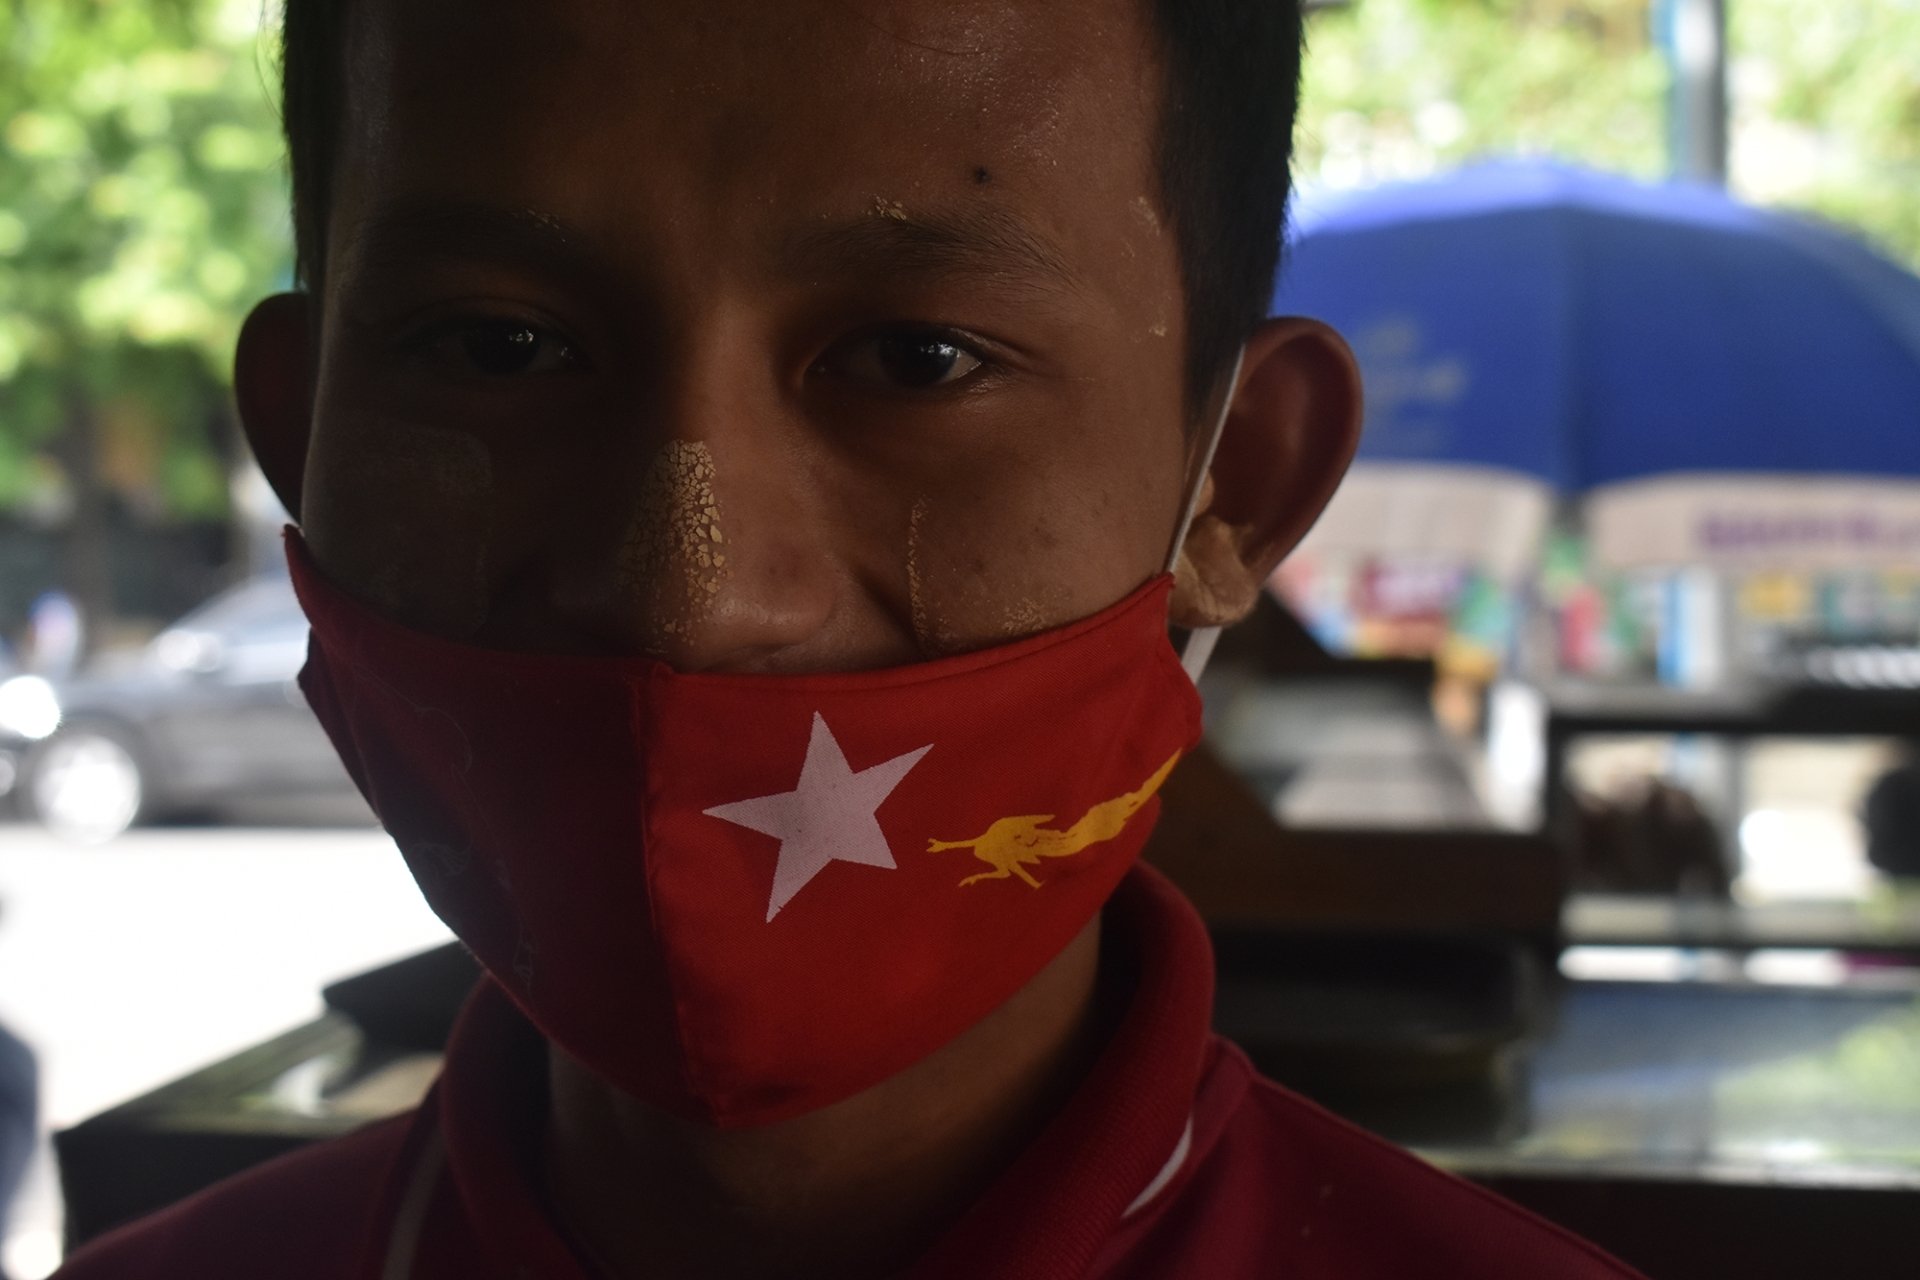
(273, 387)
(1293, 422)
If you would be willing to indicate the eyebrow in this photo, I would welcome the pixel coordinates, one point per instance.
(400, 235)
(887, 241)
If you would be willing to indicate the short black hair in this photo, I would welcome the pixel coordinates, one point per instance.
(1230, 93)
(1229, 98)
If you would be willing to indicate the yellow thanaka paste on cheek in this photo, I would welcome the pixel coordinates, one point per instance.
(934, 631)
(1148, 217)
(916, 589)
(1023, 618)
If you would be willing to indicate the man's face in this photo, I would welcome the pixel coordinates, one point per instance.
(819, 335)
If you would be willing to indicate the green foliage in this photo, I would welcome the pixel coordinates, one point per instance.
(142, 208)
(1403, 88)
(1827, 112)
(1826, 98)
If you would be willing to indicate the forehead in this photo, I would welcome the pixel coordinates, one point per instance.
(742, 112)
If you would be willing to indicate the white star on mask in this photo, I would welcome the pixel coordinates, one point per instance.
(828, 817)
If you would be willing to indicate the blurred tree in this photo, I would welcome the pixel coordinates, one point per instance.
(1826, 97)
(1826, 102)
(1400, 89)
(142, 207)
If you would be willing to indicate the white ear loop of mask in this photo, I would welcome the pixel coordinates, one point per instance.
(1200, 640)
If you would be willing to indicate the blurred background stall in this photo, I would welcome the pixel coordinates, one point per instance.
(1632, 287)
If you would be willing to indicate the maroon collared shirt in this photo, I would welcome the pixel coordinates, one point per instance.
(1174, 1159)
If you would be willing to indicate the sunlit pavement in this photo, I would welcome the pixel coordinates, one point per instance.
(128, 964)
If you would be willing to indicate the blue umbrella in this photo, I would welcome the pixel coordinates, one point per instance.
(1586, 330)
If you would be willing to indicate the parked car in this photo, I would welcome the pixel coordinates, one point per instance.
(206, 715)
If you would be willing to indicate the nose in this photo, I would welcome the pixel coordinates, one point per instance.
(711, 555)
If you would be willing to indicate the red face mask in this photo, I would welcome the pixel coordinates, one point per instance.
(742, 898)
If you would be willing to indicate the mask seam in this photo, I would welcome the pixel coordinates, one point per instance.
(639, 694)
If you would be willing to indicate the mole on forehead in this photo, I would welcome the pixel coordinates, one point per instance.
(887, 235)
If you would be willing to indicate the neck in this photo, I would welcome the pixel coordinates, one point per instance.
(856, 1190)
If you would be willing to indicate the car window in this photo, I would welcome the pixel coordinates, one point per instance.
(251, 633)
(253, 605)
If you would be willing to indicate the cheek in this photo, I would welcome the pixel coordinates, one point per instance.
(402, 515)
(1032, 549)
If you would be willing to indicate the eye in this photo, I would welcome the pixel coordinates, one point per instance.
(908, 359)
(498, 348)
